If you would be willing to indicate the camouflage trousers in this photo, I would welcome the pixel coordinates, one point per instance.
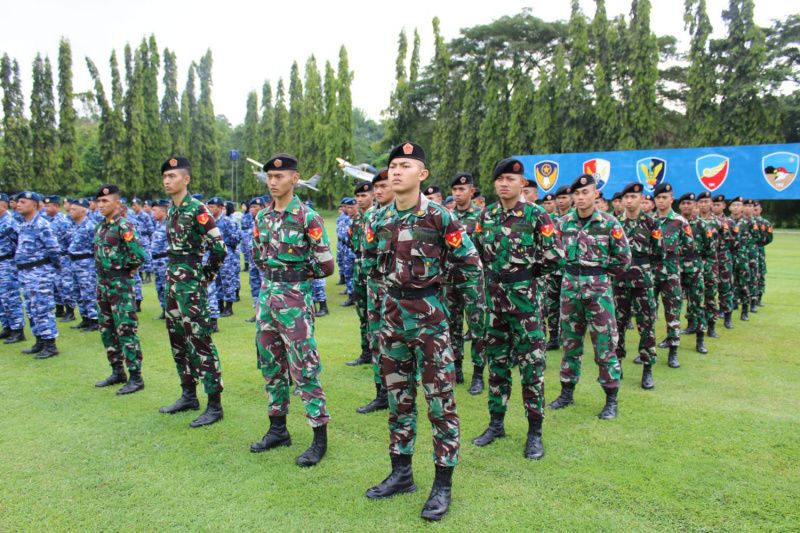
(588, 302)
(694, 288)
(376, 292)
(196, 357)
(710, 287)
(552, 302)
(762, 272)
(214, 298)
(287, 349)
(119, 323)
(37, 289)
(360, 297)
(318, 290)
(138, 286)
(521, 334)
(457, 304)
(415, 344)
(669, 287)
(228, 279)
(11, 315)
(754, 274)
(741, 278)
(639, 302)
(64, 292)
(160, 276)
(84, 280)
(145, 241)
(725, 285)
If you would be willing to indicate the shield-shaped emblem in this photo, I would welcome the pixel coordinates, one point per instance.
(712, 170)
(651, 171)
(600, 169)
(546, 174)
(780, 169)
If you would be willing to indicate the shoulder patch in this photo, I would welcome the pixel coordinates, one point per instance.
(315, 233)
(617, 233)
(202, 218)
(454, 239)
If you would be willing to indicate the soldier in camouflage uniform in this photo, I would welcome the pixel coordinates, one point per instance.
(355, 233)
(158, 253)
(10, 302)
(693, 272)
(118, 254)
(433, 193)
(62, 227)
(38, 259)
(419, 246)
(715, 235)
(469, 215)
(741, 266)
(725, 260)
(191, 230)
(678, 241)
(519, 243)
(596, 251)
(765, 233)
(633, 292)
(552, 294)
(291, 248)
(81, 255)
(752, 252)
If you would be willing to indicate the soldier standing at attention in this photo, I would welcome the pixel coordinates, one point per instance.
(725, 260)
(741, 267)
(434, 194)
(363, 195)
(190, 231)
(714, 235)
(549, 203)
(551, 285)
(38, 259)
(692, 273)
(519, 243)
(563, 201)
(10, 302)
(158, 252)
(64, 289)
(530, 191)
(292, 248)
(596, 252)
(118, 255)
(81, 255)
(752, 252)
(469, 215)
(419, 246)
(765, 234)
(633, 292)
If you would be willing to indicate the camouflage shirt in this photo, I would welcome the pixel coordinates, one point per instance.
(116, 246)
(600, 242)
(764, 231)
(514, 242)
(727, 240)
(677, 236)
(294, 240)
(191, 230)
(647, 246)
(698, 255)
(356, 233)
(715, 236)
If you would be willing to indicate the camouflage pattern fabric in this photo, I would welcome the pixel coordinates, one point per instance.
(678, 241)
(62, 227)
(84, 275)
(376, 292)
(36, 242)
(710, 255)
(11, 316)
(357, 236)
(725, 262)
(158, 247)
(741, 265)
(693, 276)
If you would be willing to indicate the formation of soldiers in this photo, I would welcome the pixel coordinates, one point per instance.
(516, 272)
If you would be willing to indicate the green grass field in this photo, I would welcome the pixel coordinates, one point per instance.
(715, 446)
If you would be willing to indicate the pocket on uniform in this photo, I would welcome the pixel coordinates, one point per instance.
(425, 259)
(291, 246)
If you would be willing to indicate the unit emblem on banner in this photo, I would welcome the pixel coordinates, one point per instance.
(651, 171)
(546, 174)
(780, 169)
(600, 169)
(712, 170)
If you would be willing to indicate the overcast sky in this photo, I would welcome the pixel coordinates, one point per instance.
(254, 41)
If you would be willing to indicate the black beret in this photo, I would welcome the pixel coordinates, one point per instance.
(647, 197)
(687, 197)
(600, 196)
(661, 188)
(564, 190)
(617, 196)
(52, 199)
(432, 189)
(407, 150)
(719, 198)
(383, 175)
(363, 187)
(476, 193)
(549, 197)
(282, 161)
(748, 201)
(508, 165)
(584, 180)
(756, 203)
(462, 178)
(216, 200)
(737, 199)
(106, 189)
(176, 162)
(630, 188)
(704, 194)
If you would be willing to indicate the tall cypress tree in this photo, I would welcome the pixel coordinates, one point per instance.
(312, 152)
(444, 148)
(344, 106)
(518, 140)
(267, 126)
(560, 105)
(207, 165)
(294, 131)
(281, 119)
(492, 135)
(135, 124)
(252, 145)
(15, 174)
(471, 115)
(69, 161)
(606, 108)
(44, 135)
(188, 113)
(399, 113)
(579, 115)
(170, 105)
(155, 137)
(116, 165)
(544, 106)
(642, 108)
(701, 127)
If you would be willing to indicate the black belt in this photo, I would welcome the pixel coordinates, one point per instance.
(508, 277)
(6, 257)
(641, 260)
(285, 275)
(413, 294)
(116, 273)
(76, 257)
(160, 256)
(186, 258)
(581, 270)
(28, 266)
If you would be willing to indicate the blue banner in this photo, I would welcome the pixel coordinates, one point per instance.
(761, 172)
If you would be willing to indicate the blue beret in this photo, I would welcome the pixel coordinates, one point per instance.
(255, 201)
(52, 199)
(83, 202)
(3, 197)
(30, 195)
(349, 201)
(198, 196)
(216, 200)
(448, 199)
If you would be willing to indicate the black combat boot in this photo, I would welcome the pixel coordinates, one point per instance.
(476, 387)
(187, 401)
(665, 343)
(753, 307)
(672, 358)
(712, 330)
(459, 373)
(238, 297)
(251, 319)
(496, 430)
(59, 310)
(700, 345)
(214, 325)
(647, 377)
(534, 449)
(117, 376)
(758, 301)
(17, 335)
(565, 398)
(323, 309)
(439, 500)
(277, 436)
(48, 349)
(135, 383)
(553, 343)
(745, 315)
(69, 314)
(364, 359)
(80, 325)
(380, 402)
(341, 280)
(638, 360)
(610, 408)
(91, 326)
(689, 330)
(5, 333)
(138, 306)
(399, 481)
(225, 309)
(349, 302)
(36, 348)
(212, 414)
(315, 452)
(728, 321)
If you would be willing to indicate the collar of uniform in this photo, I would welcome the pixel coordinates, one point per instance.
(185, 202)
(419, 211)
